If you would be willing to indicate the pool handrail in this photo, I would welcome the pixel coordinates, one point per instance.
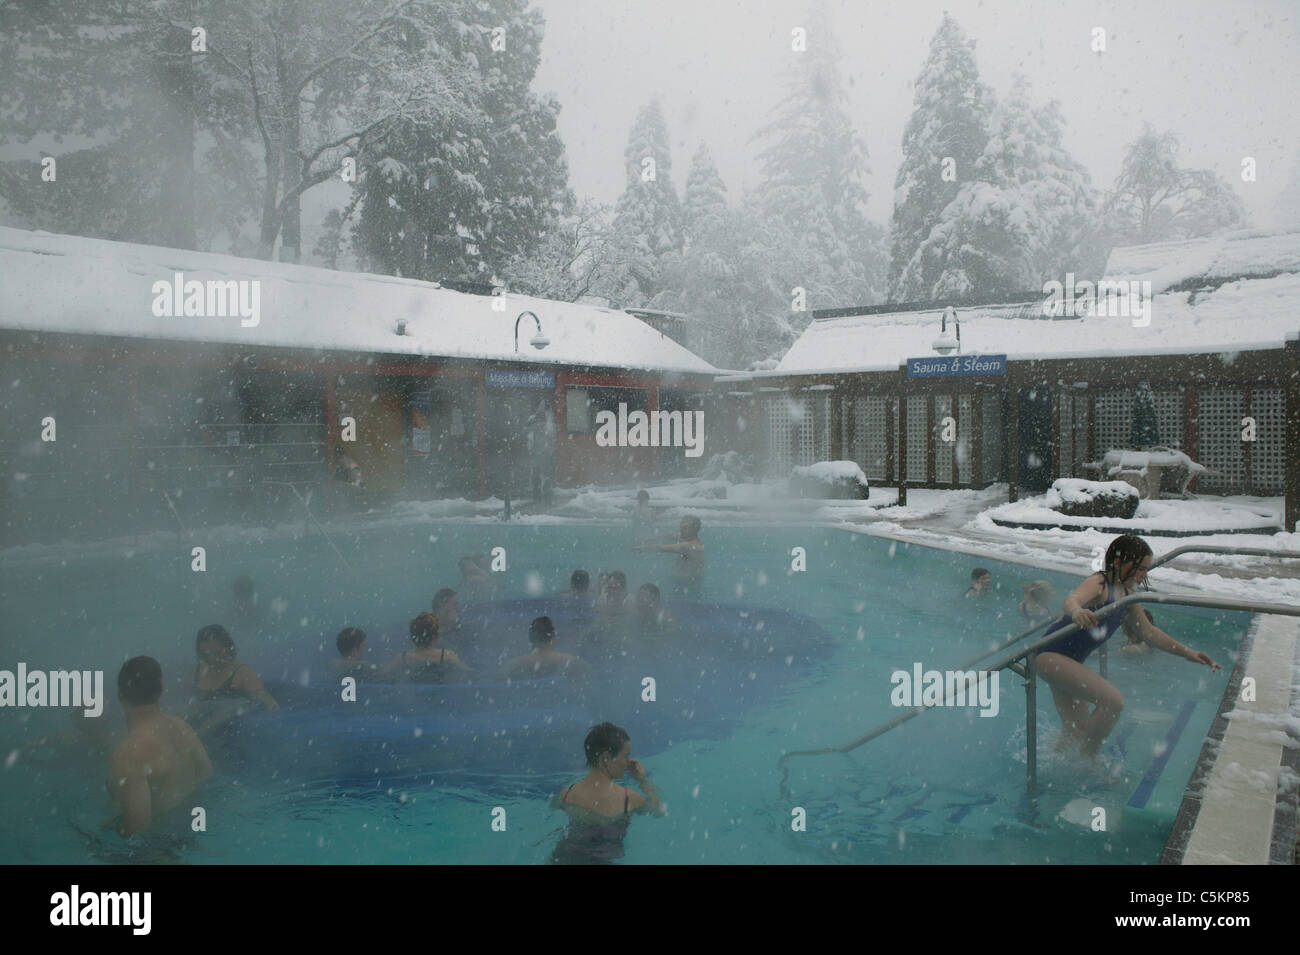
(1217, 549)
(1028, 671)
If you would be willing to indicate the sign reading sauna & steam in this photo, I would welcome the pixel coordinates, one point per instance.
(945, 367)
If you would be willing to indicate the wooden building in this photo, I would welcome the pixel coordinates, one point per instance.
(213, 384)
(1034, 391)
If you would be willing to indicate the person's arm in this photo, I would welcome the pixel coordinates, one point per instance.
(1085, 593)
(129, 786)
(1157, 638)
(251, 686)
(652, 804)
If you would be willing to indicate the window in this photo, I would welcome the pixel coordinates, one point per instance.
(582, 405)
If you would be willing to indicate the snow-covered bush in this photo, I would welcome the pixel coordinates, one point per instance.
(729, 467)
(1079, 498)
(836, 480)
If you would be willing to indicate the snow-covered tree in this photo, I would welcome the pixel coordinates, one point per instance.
(1024, 217)
(1156, 200)
(944, 138)
(576, 258)
(705, 199)
(1144, 430)
(648, 218)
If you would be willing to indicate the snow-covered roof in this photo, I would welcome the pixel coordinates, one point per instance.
(1244, 314)
(59, 283)
(1214, 258)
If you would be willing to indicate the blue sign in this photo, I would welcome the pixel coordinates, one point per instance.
(945, 366)
(495, 378)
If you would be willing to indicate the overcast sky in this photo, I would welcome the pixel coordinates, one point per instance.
(1222, 75)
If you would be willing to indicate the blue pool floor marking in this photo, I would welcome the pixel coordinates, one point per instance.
(1148, 784)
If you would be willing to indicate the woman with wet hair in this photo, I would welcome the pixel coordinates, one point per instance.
(429, 662)
(599, 809)
(219, 675)
(1074, 686)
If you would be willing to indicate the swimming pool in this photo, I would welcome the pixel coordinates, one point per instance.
(945, 788)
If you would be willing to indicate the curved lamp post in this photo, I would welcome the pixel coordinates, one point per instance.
(945, 343)
(538, 341)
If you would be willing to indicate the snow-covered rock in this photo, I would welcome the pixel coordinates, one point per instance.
(836, 480)
(1079, 498)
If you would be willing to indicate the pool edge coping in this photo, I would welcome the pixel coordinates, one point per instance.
(1285, 807)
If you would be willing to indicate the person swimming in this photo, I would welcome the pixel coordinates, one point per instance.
(599, 810)
(544, 660)
(652, 619)
(161, 762)
(579, 587)
(1060, 663)
(220, 676)
(1038, 600)
(981, 583)
(428, 662)
(689, 567)
(351, 643)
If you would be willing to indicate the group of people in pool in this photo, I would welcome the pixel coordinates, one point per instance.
(163, 759)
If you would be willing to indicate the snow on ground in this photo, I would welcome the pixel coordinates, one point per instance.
(956, 520)
(1181, 516)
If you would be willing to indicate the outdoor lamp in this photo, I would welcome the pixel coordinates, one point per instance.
(538, 341)
(945, 343)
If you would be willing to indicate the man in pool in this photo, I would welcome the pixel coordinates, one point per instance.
(599, 810)
(1074, 686)
(689, 567)
(545, 660)
(981, 583)
(352, 661)
(161, 761)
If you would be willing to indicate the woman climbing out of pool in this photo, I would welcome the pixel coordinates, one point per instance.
(599, 809)
(428, 662)
(1060, 663)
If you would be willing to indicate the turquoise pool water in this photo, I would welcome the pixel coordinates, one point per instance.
(946, 788)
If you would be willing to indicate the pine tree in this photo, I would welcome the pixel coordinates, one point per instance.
(1025, 216)
(943, 140)
(1144, 431)
(705, 199)
(648, 219)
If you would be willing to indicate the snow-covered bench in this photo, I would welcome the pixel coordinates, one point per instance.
(1153, 471)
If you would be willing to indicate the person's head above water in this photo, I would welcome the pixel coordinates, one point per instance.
(980, 577)
(643, 497)
(579, 581)
(616, 586)
(139, 682)
(541, 632)
(1128, 558)
(213, 645)
(446, 604)
(604, 745)
(648, 600)
(690, 529)
(351, 642)
(424, 629)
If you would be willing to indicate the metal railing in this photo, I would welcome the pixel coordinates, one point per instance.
(1021, 662)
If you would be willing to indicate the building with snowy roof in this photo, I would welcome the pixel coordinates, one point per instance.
(206, 375)
(1028, 390)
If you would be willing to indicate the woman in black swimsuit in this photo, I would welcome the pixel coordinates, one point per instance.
(428, 662)
(599, 810)
(220, 677)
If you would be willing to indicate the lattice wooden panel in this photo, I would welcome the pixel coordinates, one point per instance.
(965, 426)
(942, 450)
(1080, 432)
(1268, 453)
(869, 436)
(991, 439)
(1112, 421)
(918, 435)
(1218, 439)
(1169, 415)
(1065, 431)
(779, 430)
